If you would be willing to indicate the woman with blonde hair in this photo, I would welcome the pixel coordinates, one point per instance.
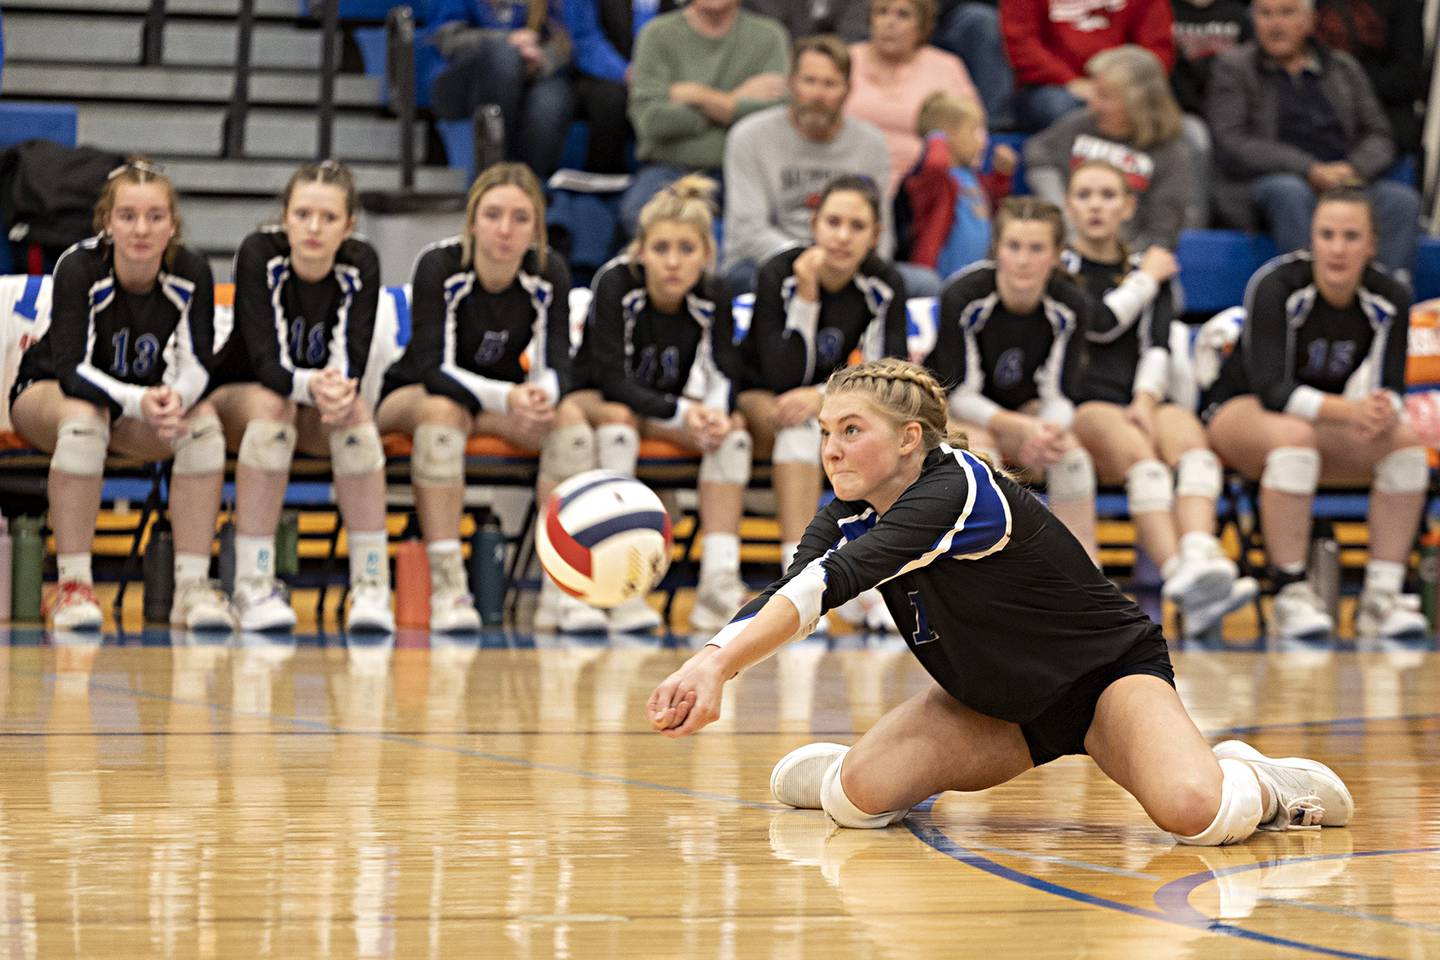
(658, 360)
(489, 353)
(1032, 653)
(122, 368)
(1133, 122)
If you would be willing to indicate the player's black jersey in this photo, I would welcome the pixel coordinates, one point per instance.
(474, 346)
(1295, 346)
(106, 345)
(992, 359)
(1128, 340)
(655, 363)
(994, 596)
(792, 343)
(287, 328)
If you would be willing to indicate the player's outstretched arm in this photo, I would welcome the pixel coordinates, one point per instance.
(689, 698)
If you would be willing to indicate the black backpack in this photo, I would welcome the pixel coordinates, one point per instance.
(52, 191)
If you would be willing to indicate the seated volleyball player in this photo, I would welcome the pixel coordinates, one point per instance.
(1032, 653)
(289, 376)
(122, 368)
(658, 359)
(1123, 420)
(488, 355)
(1011, 346)
(815, 306)
(1313, 390)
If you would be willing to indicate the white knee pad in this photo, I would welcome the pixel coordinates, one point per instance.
(268, 445)
(200, 449)
(1292, 470)
(567, 451)
(1406, 470)
(844, 812)
(356, 450)
(1072, 477)
(1149, 487)
(1198, 474)
(728, 463)
(437, 455)
(617, 447)
(798, 444)
(80, 445)
(1241, 806)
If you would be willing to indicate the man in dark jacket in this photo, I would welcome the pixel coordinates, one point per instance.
(1292, 118)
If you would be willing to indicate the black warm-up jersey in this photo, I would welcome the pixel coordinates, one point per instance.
(1295, 346)
(1128, 340)
(991, 359)
(657, 363)
(473, 346)
(994, 596)
(287, 328)
(106, 345)
(793, 343)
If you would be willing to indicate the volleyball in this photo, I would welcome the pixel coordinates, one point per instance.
(604, 538)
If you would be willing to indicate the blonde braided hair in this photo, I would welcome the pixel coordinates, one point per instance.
(902, 392)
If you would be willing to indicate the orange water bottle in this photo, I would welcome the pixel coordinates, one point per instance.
(412, 579)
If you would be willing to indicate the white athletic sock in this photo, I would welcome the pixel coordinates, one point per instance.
(444, 556)
(1292, 568)
(1384, 576)
(254, 557)
(720, 554)
(369, 559)
(787, 554)
(191, 566)
(74, 566)
(1197, 543)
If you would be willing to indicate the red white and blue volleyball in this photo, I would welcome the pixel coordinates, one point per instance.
(604, 538)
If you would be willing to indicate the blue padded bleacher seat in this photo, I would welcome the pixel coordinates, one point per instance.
(21, 121)
(371, 10)
(592, 220)
(1427, 269)
(1215, 265)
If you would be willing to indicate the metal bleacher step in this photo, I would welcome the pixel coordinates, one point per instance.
(91, 82)
(270, 9)
(273, 46)
(268, 177)
(44, 38)
(192, 131)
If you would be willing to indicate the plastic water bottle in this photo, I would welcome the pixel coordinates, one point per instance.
(158, 569)
(227, 558)
(487, 568)
(489, 136)
(412, 579)
(1324, 574)
(1429, 574)
(287, 544)
(4, 569)
(27, 570)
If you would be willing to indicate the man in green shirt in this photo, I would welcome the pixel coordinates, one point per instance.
(695, 72)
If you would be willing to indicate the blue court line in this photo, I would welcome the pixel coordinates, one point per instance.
(919, 822)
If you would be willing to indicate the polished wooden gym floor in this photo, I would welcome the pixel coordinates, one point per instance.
(176, 797)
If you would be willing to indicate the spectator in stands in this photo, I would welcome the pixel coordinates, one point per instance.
(1051, 41)
(894, 71)
(970, 29)
(1133, 122)
(122, 369)
(1386, 38)
(778, 160)
(850, 19)
(1204, 29)
(696, 71)
(289, 376)
(1011, 340)
(1313, 391)
(489, 355)
(1156, 449)
(949, 199)
(658, 360)
(604, 33)
(1293, 118)
(513, 53)
(817, 303)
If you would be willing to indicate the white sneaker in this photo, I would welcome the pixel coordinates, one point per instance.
(1200, 618)
(261, 605)
(1389, 616)
(452, 608)
(1297, 613)
(717, 600)
(1307, 793)
(796, 779)
(1197, 581)
(75, 608)
(369, 608)
(576, 616)
(199, 606)
(634, 616)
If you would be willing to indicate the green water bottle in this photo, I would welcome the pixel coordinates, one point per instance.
(487, 568)
(287, 544)
(27, 570)
(1429, 574)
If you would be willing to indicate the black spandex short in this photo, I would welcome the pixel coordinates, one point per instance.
(1061, 729)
